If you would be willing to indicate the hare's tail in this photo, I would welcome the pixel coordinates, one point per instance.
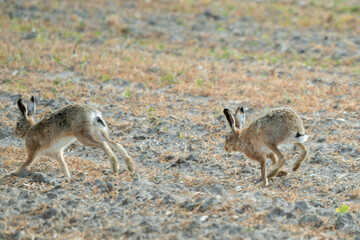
(301, 137)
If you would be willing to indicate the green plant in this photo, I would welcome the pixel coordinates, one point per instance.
(82, 65)
(357, 70)
(42, 38)
(310, 62)
(53, 90)
(250, 229)
(343, 209)
(271, 58)
(225, 54)
(147, 83)
(20, 84)
(200, 82)
(218, 112)
(128, 93)
(68, 84)
(126, 59)
(168, 79)
(161, 46)
(152, 117)
(105, 77)
(288, 98)
(97, 33)
(57, 59)
(57, 81)
(73, 35)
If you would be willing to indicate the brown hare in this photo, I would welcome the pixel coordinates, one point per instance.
(260, 140)
(56, 131)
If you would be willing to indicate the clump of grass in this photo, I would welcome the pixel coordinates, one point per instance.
(218, 112)
(168, 79)
(153, 119)
(343, 209)
(54, 92)
(97, 33)
(20, 84)
(105, 78)
(271, 58)
(128, 93)
(310, 62)
(200, 82)
(250, 229)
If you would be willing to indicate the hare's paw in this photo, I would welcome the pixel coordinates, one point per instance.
(266, 183)
(272, 173)
(281, 173)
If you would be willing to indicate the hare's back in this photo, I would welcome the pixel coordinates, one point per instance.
(279, 121)
(79, 116)
(70, 116)
(70, 113)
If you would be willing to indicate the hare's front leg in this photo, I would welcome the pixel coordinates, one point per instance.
(112, 158)
(124, 155)
(116, 146)
(31, 157)
(59, 157)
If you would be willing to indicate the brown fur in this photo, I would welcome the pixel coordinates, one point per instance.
(260, 140)
(52, 134)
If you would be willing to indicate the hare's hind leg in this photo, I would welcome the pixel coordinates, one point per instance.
(281, 160)
(90, 141)
(274, 160)
(301, 157)
(124, 155)
(264, 178)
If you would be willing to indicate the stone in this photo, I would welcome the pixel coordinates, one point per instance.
(40, 178)
(277, 212)
(301, 205)
(218, 189)
(206, 203)
(49, 213)
(51, 195)
(310, 220)
(342, 220)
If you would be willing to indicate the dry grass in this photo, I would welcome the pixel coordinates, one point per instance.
(221, 73)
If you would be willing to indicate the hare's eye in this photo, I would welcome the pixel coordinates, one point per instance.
(227, 138)
(18, 124)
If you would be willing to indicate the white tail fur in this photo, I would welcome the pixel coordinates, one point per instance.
(302, 138)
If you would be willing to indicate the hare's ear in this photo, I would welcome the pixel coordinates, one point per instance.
(230, 118)
(31, 107)
(22, 108)
(240, 117)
